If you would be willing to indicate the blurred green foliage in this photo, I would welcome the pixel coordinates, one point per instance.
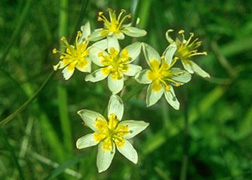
(40, 142)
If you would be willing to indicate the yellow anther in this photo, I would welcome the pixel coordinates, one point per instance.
(167, 88)
(112, 50)
(198, 43)
(204, 53)
(100, 13)
(99, 19)
(63, 38)
(79, 33)
(124, 51)
(181, 32)
(177, 84)
(129, 15)
(116, 23)
(54, 51)
(123, 10)
(175, 58)
(100, 54)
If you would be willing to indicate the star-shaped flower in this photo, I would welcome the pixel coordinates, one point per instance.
(161, 76)
(186, 49)
(114, 27)
(110, 135)
(75, 56)
(115, 64)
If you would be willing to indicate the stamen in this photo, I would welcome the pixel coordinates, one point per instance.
(174, 61)
(191, 35)
(171, 81)
(177, 84)
(54, 51)
(63, 38)
(181, 32)
(123, 19)
(77, 38)
(167, 88)
(196, 54)
(65, 41)
(111, 12)
(121, 13)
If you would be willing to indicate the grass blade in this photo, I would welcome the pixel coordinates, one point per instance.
(64, 166)
(15, 159)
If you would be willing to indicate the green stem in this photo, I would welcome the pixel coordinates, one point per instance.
(21, 108)
(61, 90)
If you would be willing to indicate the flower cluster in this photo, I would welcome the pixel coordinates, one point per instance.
(102, 48)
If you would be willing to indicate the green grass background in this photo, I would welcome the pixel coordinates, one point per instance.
(209, 138)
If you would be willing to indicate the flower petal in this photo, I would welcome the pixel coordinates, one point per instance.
(113, 43)
(89, 117)
(95, 55)
(120, 35)
(86, 31)
(128, 151)
(186, 64)
(102, 45)
(198, 70)
(97, 75)
(142, 77)
(153, 96)
(169, 52)
(182, 77)
(86, 141)
(115, 85)
(104, 158)
(115, 106)
(132, 70)
(168, 37)
(84, 67)
(135, 127)
(150, 53)
(60, 65)
(98, 34)
(133, 31)
(133, 50)
(172, 99)
(68, 71)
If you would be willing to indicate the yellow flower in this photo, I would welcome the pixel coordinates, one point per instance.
(161, 76)
(115, 26)
(115, 64)
(75, 56)
(186, 49)
(110, 135)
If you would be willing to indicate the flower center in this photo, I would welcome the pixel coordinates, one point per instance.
(74, 55)
(115, 63)
(161, 76)
(110, 132)
(114, 24)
